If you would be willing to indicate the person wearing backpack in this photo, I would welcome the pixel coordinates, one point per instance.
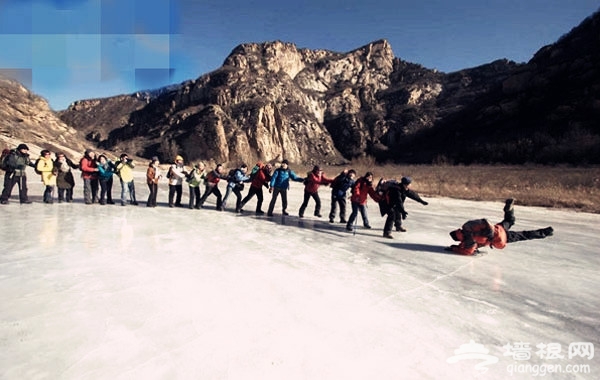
(15, 165)
(235, 184)
(393, 194)
(176, 175)
(44, 166)
(124, 168)
(212, 186)
(339, 189)
(280, 183)
(196, 177)
(258, 179)
(89, 174)
(65, 181)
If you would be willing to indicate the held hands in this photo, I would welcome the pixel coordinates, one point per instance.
(424, 203)
(270, 189)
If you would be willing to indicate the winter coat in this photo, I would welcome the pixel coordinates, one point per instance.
(314, 180)
(89, 169)
(45, 166)
(261, 178)
(361, 189)
(152, 175)
(65, 178)
(196, 177)
(106, 171)
(18, 163)
(125, 170)
(237, 179)
(177, 174)
(340, 186)
(281, 178)
(393, 195)
(213, 178)
(479, 233)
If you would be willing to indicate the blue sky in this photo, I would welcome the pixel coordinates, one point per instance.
(65, 50)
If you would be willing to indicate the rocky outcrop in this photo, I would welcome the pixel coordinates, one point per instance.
(273, 100)
(26, 117)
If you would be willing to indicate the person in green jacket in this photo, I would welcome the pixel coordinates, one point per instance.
(195, 178)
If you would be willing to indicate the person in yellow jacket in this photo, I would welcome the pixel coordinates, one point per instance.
(124, 168)
(44, 166)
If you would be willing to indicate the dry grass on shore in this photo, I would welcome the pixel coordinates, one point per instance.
(545, 186)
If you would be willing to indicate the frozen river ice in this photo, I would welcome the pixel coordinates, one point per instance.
(111, 292)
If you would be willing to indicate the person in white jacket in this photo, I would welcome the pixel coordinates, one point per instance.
(176, 175)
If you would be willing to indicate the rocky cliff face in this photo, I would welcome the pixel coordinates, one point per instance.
(26, 117)
(273, 100)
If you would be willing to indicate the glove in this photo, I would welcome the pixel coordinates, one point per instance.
(404, 214)
(425, 203)
(448, 249)
(270, 189)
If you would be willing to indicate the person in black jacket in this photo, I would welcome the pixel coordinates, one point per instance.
(16, 162)
(339, 189)
(393, 194)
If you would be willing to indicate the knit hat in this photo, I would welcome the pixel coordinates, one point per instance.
(178, 158)
(406, 180)
(22, 146)
(285, 162)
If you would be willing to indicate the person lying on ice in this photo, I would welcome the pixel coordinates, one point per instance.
(480, 233)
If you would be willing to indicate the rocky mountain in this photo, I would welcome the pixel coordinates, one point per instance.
(26, 117)
(273, 100)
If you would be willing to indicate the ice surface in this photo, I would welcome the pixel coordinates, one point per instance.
(111, 292)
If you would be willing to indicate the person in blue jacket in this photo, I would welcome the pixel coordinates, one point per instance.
(106, 169)
(280, 183)
(235, 184)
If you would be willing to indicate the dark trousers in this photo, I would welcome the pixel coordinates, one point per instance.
(356, 207)
(394, 218)
(175, 191)
(335, 201)
(259, 197)
(10, 182)
(284, 204)
(213, 189)
(237, 190)
(153, 188)
(307, 197)
(48, 193)
(106, 190)
(514, 236)
(65, 194)
(194, 196)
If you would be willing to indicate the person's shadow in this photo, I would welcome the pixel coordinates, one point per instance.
(425, 248)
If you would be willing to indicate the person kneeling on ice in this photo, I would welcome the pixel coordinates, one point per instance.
(480, 233)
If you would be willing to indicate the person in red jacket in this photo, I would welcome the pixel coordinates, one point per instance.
(362, 188)
(212, 186)
(313, 180)
(89, 173)
(481, 233)
(260, 179)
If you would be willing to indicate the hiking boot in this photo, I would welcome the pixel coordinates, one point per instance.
(349, 228)
(259, 212)
(344, 221)
(318, 215)
(400, 229)
(284, 213)
(368, 226)
(388, 235)
(4, 202)
(331, 220)
(26, 202)
(508, 204)
(270, 214)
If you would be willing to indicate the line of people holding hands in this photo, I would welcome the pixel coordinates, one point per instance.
(97, 172)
